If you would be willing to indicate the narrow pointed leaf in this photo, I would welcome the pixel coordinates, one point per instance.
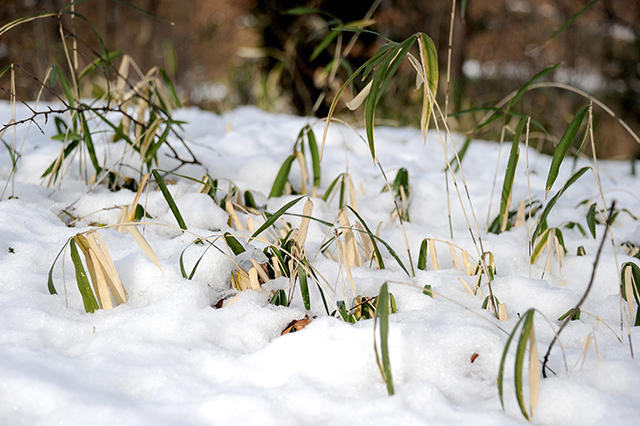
(88, 299)
(169, 198)
(563, 147)
(507, 186)
(591, 220)
(271, 220)
(281, 179)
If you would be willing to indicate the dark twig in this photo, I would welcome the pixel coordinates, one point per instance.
(584, 296)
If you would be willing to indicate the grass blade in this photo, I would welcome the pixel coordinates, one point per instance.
(271, 220)
(88, 299)
(429, 57)
(422, 256)
(382, 357)
(525, 87)
(167, 196)
(233, 244)
(281, 179)
(591, 220)
(542, 222)
(504, 359)
(563, 147)
(315, 158)
(372, 237)
(507, 186)
(525, 335)
(304, 286)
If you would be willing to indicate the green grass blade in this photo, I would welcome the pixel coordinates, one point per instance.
(382, 357)
(88, 141)
(387, 67)
(233, 244)
(327, 194)
(392, 253)
(542, 222)
(167, 196)
(507, 186)
(525, 334)
(323, 44)
(272, 219)
(431, 53)
(52, 288)
(88, 298)
(304, 286)
(563, 147)
(504, 359)
(456, 166)
(567, 24)
(591, 220)
(281, 179)
(279, 298)
(153, 149)
(315, 158)
(525, 87)
(372, 237)
(172, 89)
(422, 256)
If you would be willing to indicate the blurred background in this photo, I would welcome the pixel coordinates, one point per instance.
(225, 53)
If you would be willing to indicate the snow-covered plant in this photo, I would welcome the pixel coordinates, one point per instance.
(104, 100)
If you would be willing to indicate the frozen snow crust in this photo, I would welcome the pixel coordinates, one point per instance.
(168, 358)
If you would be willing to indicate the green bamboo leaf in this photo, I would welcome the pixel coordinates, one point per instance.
(631, 283)
(153, 148)
(118, 130)
(401, 180)
(463, 8)
(52, 288)
(431, 56)
(542, 222)
(272, 218)
(566, 25)
(301, 10)
(539, 245)
(507, 186)
(591, 220)
(504, 358)
(88, 299)
(563, 147)
(574, 316)
(88, 141)
(281, 179)
(525, 335)
(422, 257)
(315, 157)
(327, 194)
(304, 286)
(233, 244)
(55, 165)
(323, 44)
(171, 87)
(167, 196)
(386, 69)
(279, 298)
(382, 357)
(463, 151)
(525, 87)
(372, 237)
(56, 73)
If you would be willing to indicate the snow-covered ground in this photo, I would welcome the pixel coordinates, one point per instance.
(167, 357)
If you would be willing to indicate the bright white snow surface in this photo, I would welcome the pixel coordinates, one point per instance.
(168, 358)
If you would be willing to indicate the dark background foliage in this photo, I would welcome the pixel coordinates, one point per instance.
(222, 53)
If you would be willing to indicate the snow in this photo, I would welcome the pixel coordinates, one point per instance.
(168, 357)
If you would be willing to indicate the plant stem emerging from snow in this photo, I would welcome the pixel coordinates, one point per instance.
(584, 296)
